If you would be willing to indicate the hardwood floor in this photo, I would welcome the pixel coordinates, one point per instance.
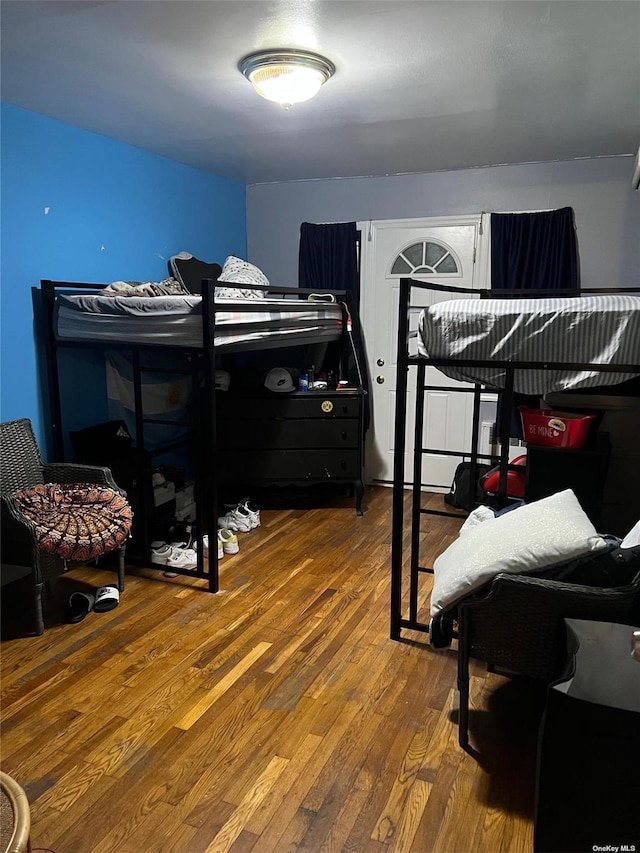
(274, 716)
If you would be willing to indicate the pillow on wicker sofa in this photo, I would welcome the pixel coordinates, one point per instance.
(538, 535)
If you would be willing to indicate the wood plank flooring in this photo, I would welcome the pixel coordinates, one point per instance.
(274, 716)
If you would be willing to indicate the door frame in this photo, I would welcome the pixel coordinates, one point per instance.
(480, 267)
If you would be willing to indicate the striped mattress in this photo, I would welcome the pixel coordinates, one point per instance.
(177, 320)
(582, 330)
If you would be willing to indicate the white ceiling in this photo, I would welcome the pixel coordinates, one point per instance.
(419, 86)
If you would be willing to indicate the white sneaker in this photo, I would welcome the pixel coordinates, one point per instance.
(160, 553)
(254, 513)
(183, 558)
(236, 519)
(205, 547)
(228, 541)
(167, 555)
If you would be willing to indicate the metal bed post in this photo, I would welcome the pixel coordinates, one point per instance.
(505, 433)
(463, 684)
(475, 437)
(53, 373)
(414, 572)
(144, 476)
(197, 451)
(207, 438)
(402, 369)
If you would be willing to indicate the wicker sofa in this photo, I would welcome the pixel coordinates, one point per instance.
(516, 625)
(21, 467)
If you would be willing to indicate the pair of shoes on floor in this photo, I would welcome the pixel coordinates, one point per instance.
(82, 603)
(228, 540)
(205, 547)
(227, 543)
(243, 517)
(174, 555)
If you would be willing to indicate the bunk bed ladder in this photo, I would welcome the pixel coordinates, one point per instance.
(404, 363)
(417, 510)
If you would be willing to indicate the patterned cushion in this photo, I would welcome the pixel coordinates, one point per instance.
(76, 521)
(238, 272)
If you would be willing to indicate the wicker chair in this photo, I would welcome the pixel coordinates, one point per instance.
(517, 626)
(15, 816)
(21, 467)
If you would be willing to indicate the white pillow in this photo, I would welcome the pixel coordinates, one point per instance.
(480, 513)
(238, 272)
(538, 535)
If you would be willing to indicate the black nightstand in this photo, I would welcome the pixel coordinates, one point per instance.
(297, 438)
(589, 747)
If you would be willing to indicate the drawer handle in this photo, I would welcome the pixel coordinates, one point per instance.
(344, 435)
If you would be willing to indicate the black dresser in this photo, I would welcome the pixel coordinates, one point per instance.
(551, 469)
(298, 438)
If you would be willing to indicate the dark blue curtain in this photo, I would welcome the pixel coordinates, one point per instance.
(531, 251)
(328, 259)
(534, 251)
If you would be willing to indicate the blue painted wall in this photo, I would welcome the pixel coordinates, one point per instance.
(77, 206)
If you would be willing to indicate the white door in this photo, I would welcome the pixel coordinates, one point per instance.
(442, 251)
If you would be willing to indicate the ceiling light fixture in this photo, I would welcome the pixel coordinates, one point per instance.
(286, 76)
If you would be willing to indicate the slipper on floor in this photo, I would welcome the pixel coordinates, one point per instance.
(107, 597)
(80, 603)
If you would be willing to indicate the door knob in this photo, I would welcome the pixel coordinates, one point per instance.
(380, 380)
(380, 362)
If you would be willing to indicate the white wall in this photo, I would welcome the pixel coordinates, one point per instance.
(607, 210)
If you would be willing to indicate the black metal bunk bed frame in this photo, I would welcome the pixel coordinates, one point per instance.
(203, 365)
(398, 621)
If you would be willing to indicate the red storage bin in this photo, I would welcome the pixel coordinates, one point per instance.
(555, 429)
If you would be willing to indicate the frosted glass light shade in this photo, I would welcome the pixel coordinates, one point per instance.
(286, 76)
(286, 84)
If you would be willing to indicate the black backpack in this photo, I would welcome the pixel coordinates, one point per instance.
(462, 494)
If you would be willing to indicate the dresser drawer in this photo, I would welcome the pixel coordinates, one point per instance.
(310, 433)
(285, 465)
(297, 405)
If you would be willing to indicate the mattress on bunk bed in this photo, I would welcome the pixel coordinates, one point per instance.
(582, 330)
(177, 320)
